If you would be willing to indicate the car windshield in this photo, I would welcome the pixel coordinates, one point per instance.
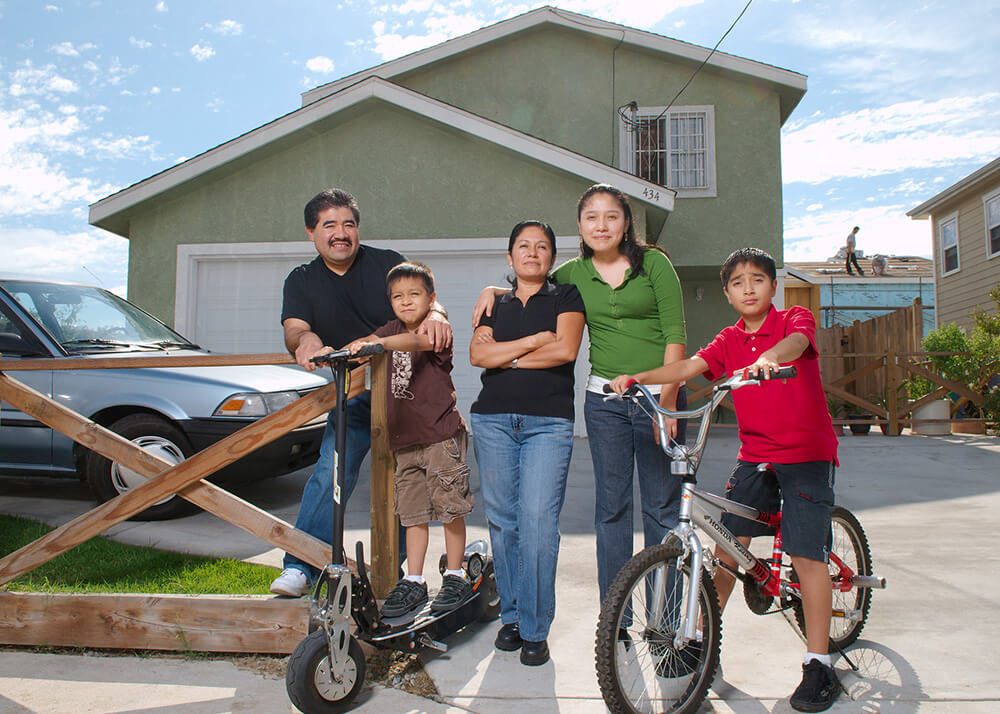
(85, 318)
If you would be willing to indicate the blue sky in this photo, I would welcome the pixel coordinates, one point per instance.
(96, 95)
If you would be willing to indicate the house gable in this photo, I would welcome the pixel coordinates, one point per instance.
(415, 178)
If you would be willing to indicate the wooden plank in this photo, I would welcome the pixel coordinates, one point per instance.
(854, 399)
(939, 393)
(202, 493)
(384, 523)
(25, 365)
(892, 392)
(203, 463)
(956, 387)
(202, 623)
(857, 373)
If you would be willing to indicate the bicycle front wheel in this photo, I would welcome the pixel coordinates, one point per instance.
(639, 667)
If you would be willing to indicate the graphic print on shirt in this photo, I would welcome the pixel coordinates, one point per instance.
(402, 370)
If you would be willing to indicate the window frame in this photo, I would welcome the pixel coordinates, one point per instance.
(987, 199)
(950, 218)
(627, 152)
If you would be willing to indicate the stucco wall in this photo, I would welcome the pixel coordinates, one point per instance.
(565, 86)
(412, 178)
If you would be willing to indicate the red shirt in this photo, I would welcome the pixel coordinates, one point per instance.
(782, 421)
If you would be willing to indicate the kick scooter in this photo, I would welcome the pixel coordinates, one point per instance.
(327, 669)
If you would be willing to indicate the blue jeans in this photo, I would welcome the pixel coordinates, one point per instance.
(316, 511)
(621, 441)
(523, 465)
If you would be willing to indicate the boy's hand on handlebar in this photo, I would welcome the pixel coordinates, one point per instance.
(355, 346)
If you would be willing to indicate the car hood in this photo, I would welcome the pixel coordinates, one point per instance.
(258, 378)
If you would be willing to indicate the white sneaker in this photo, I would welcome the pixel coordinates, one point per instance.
(292, 582)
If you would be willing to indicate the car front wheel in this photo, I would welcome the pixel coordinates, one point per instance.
(159, 437)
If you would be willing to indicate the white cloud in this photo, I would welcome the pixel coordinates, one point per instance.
(883, 140)
(31, 80)
(201, 52)
(33, 145)
(78, 256)
(141, 44)
(154, 90)
(53, 8)
(884, 229)
(65, 49)
(226, 27)
(320, 64)
(161, 6)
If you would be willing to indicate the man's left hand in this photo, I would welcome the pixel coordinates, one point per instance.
(437, 329)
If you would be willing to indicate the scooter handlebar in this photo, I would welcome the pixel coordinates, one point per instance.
(336, 355)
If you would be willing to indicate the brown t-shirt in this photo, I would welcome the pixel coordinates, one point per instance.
(421, 401)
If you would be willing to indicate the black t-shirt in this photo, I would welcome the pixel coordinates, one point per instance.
(537, 392)
(342, 308)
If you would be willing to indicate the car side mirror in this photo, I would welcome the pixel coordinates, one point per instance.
(14, 344)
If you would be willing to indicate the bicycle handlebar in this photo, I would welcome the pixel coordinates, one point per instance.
(693, 454)
(337, 355)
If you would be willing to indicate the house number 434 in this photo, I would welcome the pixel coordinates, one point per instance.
(651, 194)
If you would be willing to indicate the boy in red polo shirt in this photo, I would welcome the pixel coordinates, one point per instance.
(786, 424)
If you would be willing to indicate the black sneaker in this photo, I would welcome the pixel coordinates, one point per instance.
(454, 591)
(406, 598)
(818, 690)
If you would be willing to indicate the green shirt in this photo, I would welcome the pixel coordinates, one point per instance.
(631, 325)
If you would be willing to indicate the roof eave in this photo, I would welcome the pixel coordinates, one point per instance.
(112, 212)
(791, 85)
(925, 209)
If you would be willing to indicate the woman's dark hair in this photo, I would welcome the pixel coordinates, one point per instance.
(516, 232)
(410, 269)
(754, 256)
(631, 247)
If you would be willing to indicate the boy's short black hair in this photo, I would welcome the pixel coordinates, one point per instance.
(755, 256)
(411, 269)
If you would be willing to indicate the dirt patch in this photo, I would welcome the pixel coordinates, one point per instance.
(400, 670)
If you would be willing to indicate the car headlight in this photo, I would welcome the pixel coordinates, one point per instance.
(255, 404)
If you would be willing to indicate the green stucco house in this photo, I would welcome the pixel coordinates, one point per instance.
(447, 148)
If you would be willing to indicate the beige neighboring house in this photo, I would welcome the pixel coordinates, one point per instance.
(965, 220)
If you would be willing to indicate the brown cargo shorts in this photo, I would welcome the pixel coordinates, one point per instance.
(432, 482)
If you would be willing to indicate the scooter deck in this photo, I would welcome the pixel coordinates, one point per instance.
(393, 627)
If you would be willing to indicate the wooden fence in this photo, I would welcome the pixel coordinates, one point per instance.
(166, 622)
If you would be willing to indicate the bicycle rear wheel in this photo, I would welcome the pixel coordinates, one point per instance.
(639, 668)
(850, 608)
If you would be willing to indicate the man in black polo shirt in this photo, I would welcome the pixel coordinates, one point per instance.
(336, 298)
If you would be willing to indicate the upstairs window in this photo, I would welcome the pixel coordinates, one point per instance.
(992, 209)
(675, 148)
(948, 238)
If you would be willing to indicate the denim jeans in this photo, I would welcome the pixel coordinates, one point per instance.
(621, 442)
(316, 511)
(523, 465)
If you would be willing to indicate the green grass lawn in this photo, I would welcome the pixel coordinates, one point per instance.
(101, 566)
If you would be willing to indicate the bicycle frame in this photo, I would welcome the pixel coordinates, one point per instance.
(694, 514)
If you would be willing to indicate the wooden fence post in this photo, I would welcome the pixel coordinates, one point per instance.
(384, 523)
(892, 392)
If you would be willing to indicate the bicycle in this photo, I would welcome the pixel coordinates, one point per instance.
(660, 631)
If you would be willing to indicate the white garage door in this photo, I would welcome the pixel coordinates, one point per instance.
(229, 295)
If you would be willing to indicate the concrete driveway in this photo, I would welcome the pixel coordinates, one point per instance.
(928, 505)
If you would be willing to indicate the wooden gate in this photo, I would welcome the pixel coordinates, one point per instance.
(197, 623)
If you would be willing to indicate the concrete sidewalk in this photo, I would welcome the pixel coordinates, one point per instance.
(926, 503)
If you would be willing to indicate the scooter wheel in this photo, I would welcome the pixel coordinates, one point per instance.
(308, 676)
